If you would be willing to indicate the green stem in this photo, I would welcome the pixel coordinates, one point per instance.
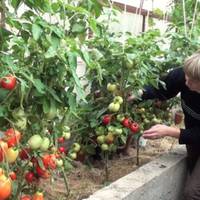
(21, 185)
(66, 183)
(106, 167)
(138, 151)
(9, 94)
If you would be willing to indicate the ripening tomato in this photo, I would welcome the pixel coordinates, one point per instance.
(61, 139)
(5, 187)
(8, 82)
(109, 138)
(1, 171)
(12, 137)
(38, 196)
(11, 155)
(3, 149)
(13, 176)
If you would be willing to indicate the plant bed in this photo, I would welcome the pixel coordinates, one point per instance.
(85, 180)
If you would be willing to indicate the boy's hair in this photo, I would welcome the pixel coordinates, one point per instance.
(192, 66)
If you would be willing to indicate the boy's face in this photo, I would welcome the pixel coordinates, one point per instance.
(192, 84)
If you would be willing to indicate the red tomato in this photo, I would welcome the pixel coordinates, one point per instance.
(34, 161)
(126, 122)
(24, 154)
(25, 197)
(30, 177)
(61, 149)
(12, 137)
(8, 82)
(49, 161)
(134, 127)
(42, 172)
(106, 119)
(13, 175)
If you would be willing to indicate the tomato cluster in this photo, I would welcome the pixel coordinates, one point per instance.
(133, 126)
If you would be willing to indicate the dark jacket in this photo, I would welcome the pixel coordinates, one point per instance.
(190, 101)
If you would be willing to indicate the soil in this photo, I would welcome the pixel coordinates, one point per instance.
(85, 180)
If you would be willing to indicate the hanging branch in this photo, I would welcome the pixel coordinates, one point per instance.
(110, 14)
(123, 35)
(184, 18)
(2, 13)
(139, 13)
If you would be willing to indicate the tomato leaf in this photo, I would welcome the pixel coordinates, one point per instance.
(78, 28)
(3, 111)
(51, 52)
(45, 106)
(72, 59)
(36, 31)
(39, 86)
(15, 3)
(53, 94)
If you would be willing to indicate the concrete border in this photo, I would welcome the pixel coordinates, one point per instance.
(160, 179)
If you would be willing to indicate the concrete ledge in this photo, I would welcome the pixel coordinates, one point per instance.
(160, 179)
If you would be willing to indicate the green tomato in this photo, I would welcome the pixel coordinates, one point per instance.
(52, 113)
(73, 155)
(111, 87)
(120, 118)
(146, 121)
(129, 64)
(111, 128)
(21, 123)
(118, 99)
(101, 139)
(66, 135)
(59, 162)
(118, 131)
(45, 144)
(100, 130)
(18, 113)
(104, 147)
(35, 141)
(114, 107)
(76, 147)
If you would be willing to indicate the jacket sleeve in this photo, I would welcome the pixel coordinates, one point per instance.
(174, 81)
(190, 136)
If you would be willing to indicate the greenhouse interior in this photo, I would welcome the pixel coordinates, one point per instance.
(96, 99)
